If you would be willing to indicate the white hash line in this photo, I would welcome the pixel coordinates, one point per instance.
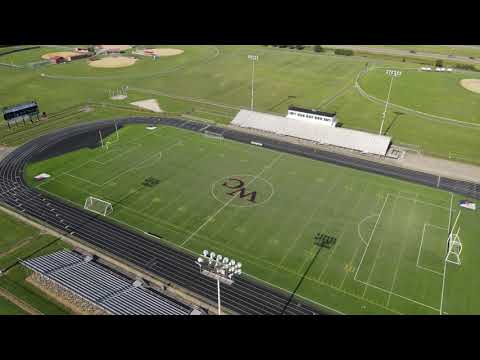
(371, 236)
(269, 166)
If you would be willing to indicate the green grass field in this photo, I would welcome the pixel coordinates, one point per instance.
(390, 235)
(439, 49)
(19, 241)
(212, 82)
(7, 308)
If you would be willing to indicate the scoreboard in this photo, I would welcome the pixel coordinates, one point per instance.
(29, 109)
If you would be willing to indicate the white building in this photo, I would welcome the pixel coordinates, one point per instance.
(311, 129)
(323, 118)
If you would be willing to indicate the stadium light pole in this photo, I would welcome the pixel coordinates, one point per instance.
(253, 58)
(393, 74)
(220, 268)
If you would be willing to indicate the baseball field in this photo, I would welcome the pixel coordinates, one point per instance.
(387, 238)
(213, 82)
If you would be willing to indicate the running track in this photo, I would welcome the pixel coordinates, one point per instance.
(245, 296)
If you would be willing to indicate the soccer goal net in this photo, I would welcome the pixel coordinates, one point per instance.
(454, 247)
(98, 206)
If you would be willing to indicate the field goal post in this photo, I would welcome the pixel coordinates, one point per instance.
(454, 244)
(98, 206)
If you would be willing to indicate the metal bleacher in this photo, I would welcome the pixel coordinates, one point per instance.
(95, 283)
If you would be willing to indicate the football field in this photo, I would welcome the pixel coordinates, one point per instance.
(385, 239)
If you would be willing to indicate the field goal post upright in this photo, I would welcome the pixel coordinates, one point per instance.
(454, 244)
(98, 206)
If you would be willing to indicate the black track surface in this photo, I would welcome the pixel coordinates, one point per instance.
(245, 296)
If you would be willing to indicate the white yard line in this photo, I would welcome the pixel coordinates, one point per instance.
(371, 236)
(443, 286)
(397, 267)
(421, 244)
(82, 179)
(345, 224)
(400, 296)
(372, 269)
(358, 227)
(450, 214)
(422, 202)
(444, 275)
(269, 166)
(420, 248)
(319, 204)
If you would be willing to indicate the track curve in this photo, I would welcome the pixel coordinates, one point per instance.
(245, 296)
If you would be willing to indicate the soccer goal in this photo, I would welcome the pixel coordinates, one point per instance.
(454, 244)
(98, 206)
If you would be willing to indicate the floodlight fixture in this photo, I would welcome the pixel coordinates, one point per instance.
(219, 267)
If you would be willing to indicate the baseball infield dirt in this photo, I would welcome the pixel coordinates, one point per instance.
(160, 52)
(116, 47)
(150, 104)
(59, 53)
(113, 62)
(471, 85)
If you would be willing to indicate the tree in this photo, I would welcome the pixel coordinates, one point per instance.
(318, 48)
(439, 63)
(300, 47)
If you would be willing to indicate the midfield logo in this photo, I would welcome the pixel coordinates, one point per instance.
(238, 187)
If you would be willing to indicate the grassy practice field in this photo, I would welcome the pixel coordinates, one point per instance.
(19, 241)
(265, 208)
(213, 82)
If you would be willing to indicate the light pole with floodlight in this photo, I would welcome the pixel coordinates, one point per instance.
(253, 58)
(220, 268)
(393, 74)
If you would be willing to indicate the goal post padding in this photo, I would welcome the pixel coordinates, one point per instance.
(98, 206)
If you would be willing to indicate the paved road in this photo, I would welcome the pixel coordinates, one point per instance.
(245, 296)
(399, 52)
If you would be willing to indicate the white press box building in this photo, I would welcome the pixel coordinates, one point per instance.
(323, 118)
(313, 129)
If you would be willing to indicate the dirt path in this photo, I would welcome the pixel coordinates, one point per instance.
(20, 303)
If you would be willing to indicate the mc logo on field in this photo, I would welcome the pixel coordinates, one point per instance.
(238, 187)
(242, 190)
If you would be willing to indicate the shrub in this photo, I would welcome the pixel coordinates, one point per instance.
(469, 67)
(345, 52)
(300, 47)
(439, 63)
(318, 48)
